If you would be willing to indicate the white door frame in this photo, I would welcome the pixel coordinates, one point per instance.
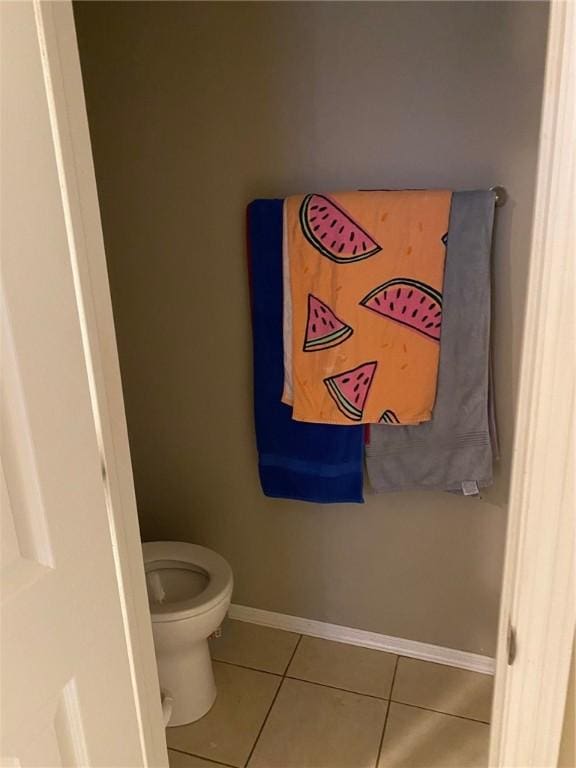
(538, 599)
(538, 584)
(71, 138)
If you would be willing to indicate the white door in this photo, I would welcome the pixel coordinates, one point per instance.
(538, 605)
(70, 694)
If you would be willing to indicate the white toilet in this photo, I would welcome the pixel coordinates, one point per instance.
(189, 591)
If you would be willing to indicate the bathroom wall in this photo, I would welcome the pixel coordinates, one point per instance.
(197, 108)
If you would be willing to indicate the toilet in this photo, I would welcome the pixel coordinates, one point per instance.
(189, 591)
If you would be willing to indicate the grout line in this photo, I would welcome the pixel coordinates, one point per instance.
(292, 656)
(245, 666)
(202, 757)
(381, 744)
(264, 723)
(394, 677)
(387, 713)
(256, 740)
(338, 688)
(440, 712)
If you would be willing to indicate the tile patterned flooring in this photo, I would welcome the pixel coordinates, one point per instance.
(292, 701)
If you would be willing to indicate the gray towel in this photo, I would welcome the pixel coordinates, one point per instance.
(454, 451)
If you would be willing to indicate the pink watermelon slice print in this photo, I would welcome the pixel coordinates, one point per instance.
(333, 232)
(323, 329)
(349, 390)
(409, 302)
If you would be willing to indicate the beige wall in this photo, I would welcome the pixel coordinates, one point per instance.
(195, 109)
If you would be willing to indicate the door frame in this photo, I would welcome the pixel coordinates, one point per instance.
(538, 583)
(538, 607)
(72, 147)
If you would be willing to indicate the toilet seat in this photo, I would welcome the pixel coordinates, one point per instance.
(176, 554)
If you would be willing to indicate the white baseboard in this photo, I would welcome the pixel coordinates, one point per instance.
(411, 648)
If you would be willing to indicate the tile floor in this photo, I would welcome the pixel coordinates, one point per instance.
(292, 701)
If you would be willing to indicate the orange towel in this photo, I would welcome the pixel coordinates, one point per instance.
(366, 274)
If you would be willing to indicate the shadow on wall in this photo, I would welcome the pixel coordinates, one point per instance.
(197, 108)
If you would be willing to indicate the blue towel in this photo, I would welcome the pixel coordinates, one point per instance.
(308, 462)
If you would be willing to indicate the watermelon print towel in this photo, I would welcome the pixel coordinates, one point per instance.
(309, 462)
(454, 451)
(363, 318)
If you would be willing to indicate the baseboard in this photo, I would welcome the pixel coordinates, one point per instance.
(411, 648)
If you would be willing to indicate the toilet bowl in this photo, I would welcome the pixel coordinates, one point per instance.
(189, 591)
